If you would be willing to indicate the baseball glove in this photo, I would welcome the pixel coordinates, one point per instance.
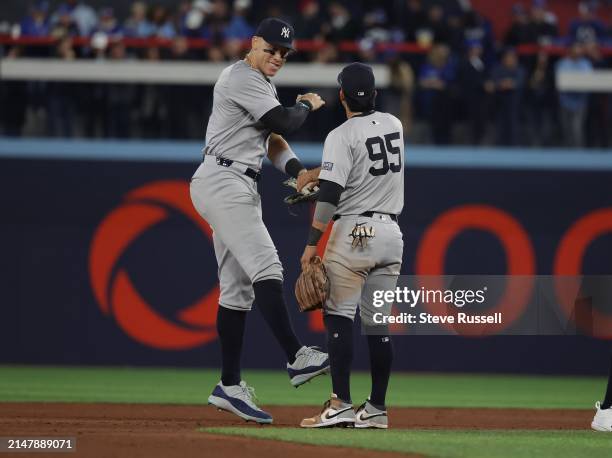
(305, 195)
(312, 286)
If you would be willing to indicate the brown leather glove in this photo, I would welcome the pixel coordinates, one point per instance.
(312, 286)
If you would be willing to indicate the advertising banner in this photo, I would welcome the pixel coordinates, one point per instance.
(107, 262)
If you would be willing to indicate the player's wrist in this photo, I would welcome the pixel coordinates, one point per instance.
(294, 167)
(314, 236)
(306, 104)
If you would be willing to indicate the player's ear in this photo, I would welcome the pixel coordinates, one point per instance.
(341, 94)
(254, 42)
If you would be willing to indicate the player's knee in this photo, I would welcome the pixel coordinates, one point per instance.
(239, 307)
(272, 272)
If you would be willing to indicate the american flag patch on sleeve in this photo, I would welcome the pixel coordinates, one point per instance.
(327, 166)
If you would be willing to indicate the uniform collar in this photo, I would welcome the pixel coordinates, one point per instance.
(365, 113)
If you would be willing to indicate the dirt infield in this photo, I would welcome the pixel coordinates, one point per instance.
(145, 430)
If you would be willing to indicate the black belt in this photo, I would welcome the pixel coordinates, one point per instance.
(254, 174)
(368, 215)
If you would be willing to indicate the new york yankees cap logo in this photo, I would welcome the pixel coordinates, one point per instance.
(276, 32)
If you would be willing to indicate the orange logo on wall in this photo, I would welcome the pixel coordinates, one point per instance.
(142, 209)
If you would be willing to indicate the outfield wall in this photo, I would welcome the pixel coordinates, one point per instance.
(104, 261)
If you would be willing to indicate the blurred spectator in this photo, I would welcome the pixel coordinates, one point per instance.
(137, 25)
(61, 105)
(375, 25)
(162, 23)
(520, 32)
(437, 26)
(238, 30)
(399, 96)
(456, 29)
(478, 28)
(83, 15)
(193, 21)
(215, 52)
(541, 101)
(238, 27)
(574, 104)
(475, 88)
(36, 24)
(543, 24)
(180, 50)
(587, 28)
(309, 22)
(217, 20)
(341, 25)
(63, 24)
(327, 54)
(413, 20)
(108, 24)
(508, 78)
(435, 78)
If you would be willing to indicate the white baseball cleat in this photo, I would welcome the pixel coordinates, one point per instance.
(602, 421)
(238, 399)
(368, 416)
(335, 412)
(309, 363)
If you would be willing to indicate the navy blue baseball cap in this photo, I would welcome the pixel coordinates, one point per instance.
(357, 81)
(276, 32)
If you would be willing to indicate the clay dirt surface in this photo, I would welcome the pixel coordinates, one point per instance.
(151, 430)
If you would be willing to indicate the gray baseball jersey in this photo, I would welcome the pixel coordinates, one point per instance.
(365, 156)
(228, 199)
(242, 95)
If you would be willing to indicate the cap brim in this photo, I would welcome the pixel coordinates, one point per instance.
(281, 45)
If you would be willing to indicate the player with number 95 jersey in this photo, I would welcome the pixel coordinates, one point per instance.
(362, 189)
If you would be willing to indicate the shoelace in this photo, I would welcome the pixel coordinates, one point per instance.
(248, 393)
(311, 354)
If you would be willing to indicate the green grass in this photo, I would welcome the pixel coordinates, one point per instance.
(192, 386)
(451, 444)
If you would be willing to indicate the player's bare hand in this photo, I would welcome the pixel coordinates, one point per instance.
(309, 179)
(315, 100)
(309, 253)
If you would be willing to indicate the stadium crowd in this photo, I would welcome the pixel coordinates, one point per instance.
(459, 85)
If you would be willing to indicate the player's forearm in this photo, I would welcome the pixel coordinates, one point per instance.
(323, 211)
(284, 120)
(329, 196)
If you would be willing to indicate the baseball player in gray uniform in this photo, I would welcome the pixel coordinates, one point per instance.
(246, 124)
(362, 190)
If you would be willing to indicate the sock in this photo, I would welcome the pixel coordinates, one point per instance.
(381, 357)
(340, 349)
(271, 303)
(230, 327)
(607, 402)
